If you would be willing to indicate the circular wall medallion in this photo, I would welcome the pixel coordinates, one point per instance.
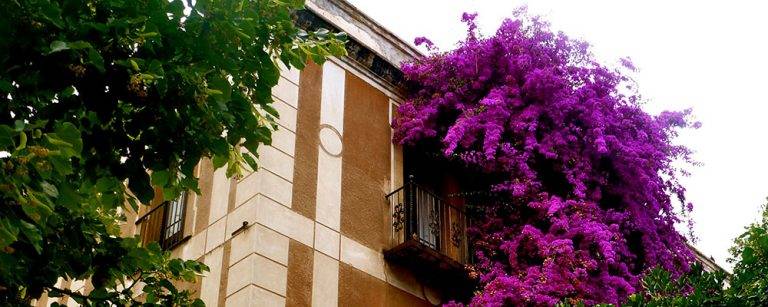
(330, 140)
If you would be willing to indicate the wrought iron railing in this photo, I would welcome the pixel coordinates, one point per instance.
(422, 216)
(164, 224)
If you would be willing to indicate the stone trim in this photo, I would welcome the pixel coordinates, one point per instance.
(369, 46)
(363, 28)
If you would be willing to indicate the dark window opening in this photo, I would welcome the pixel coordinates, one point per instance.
(430, 216)
(164, 224)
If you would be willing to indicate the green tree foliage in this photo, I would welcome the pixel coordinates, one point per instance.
(95, 95)
(747, 286)
(696, 288)
(749, 283)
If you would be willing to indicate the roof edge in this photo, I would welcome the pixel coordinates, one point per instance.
(365, 30)
(708, 262)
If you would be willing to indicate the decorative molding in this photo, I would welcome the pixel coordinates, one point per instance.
(356, 23)
(327, 147)
(380, 52)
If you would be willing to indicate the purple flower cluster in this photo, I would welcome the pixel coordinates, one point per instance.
(588, 175)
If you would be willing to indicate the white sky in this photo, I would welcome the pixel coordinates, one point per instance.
(708, 55)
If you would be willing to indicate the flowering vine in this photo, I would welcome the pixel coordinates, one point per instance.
(589, 177)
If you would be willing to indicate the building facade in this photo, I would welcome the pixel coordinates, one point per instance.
(312, 225)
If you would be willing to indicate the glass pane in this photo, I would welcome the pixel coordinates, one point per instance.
(175, 216)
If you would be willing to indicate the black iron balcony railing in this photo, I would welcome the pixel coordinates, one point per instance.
(164, 224)
(421, 219)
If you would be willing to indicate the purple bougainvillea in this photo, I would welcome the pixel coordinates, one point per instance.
(589, 177)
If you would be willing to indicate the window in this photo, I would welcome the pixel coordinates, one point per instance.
(174, 221)
(164, 223)
(430, 214)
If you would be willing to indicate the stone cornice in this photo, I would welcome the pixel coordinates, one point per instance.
(370, 46)
(708, 262)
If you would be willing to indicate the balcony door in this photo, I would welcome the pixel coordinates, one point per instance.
(427, 217)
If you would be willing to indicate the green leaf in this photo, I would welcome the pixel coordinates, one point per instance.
(49, 189)
(51, 12)
(94, 57)
(38, 208)
(139, 185)
(134, 65)
(189, 183)
(69, 133)
(176, 266)
(106, 184)
(79, 45)
(68, 197)
(270, 110)
(296, 4)
(763, 241)
(62, 165)
(270, 72)
(6, 137)
(176, 7)
(156, 68)
(5, 86)
(67, 92)
(22, 141)
(220, 87)
(337, 50)
(219, 146)
(57, 46)
(219, 160)
(18, 125)
(242, 35)
(8, 231)
(33, 235)
(748, 255)
(211, 91)
(198, 303)
(171, 193)
(133, 204)
(253, 146)
(151, 297)
(161, 177)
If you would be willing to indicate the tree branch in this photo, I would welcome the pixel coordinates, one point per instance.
(73, 294)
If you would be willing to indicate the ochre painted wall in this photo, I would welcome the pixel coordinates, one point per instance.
(274, 262)
(366, 163)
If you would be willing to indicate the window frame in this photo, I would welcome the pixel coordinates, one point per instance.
(154, 226)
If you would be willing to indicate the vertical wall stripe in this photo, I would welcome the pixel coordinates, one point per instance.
(209, 290)
(307, 127)
(232, 195)
(224, 277)
(206, 188)
(365, 169)
(325, 281)
(325, 270)
(219, 195)
(397, 154)
(301, 256)
(328, 205)
(332, 99)
(300, 259)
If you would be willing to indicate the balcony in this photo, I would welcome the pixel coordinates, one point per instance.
(164, 224)
(428, 237)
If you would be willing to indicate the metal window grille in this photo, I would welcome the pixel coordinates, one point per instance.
(164, 224)
(420, 215)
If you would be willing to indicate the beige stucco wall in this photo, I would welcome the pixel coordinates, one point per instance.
(316, 210)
